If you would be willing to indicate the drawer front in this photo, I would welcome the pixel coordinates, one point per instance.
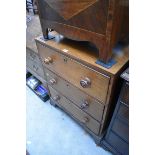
(125, 93)
(121, 129)
(121, 146)
(83, 118)
(88, 80)
(35, 67)
(82, 100)
(123, 111)
(32, 55)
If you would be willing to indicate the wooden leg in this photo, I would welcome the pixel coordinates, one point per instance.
(45, 33)
(52, 103)
(105, 52)
(102, 46)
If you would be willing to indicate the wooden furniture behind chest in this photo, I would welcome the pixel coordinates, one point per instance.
(77, 84)
(33, 62)
(117, 137)
(102, 22)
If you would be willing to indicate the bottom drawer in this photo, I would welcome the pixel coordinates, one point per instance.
(83, 118)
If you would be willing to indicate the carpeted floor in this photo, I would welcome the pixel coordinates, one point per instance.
(51, 132)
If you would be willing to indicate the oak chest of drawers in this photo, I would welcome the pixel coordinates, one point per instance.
(33, 62)
(102, 22)
(117, 137)
(82, 88)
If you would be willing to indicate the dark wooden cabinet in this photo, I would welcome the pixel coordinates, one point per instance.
(117, 138)
(101, 22)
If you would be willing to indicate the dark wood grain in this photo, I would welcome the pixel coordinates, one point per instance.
(102, 22)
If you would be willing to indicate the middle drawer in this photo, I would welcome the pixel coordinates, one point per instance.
(82, 100)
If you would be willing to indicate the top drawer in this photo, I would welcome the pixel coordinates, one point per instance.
(88, 80)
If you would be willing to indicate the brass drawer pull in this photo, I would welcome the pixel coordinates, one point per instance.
(85, 120)
(56, 98)
(53, 81)
(85, 83)
(84, 105)
(48, 60)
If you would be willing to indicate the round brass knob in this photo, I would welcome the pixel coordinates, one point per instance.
(85, 83)
(56, 98)
(53, 81)
(84, 105)
(85, 120)
(48, 60)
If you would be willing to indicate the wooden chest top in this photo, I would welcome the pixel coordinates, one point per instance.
(85, 53)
